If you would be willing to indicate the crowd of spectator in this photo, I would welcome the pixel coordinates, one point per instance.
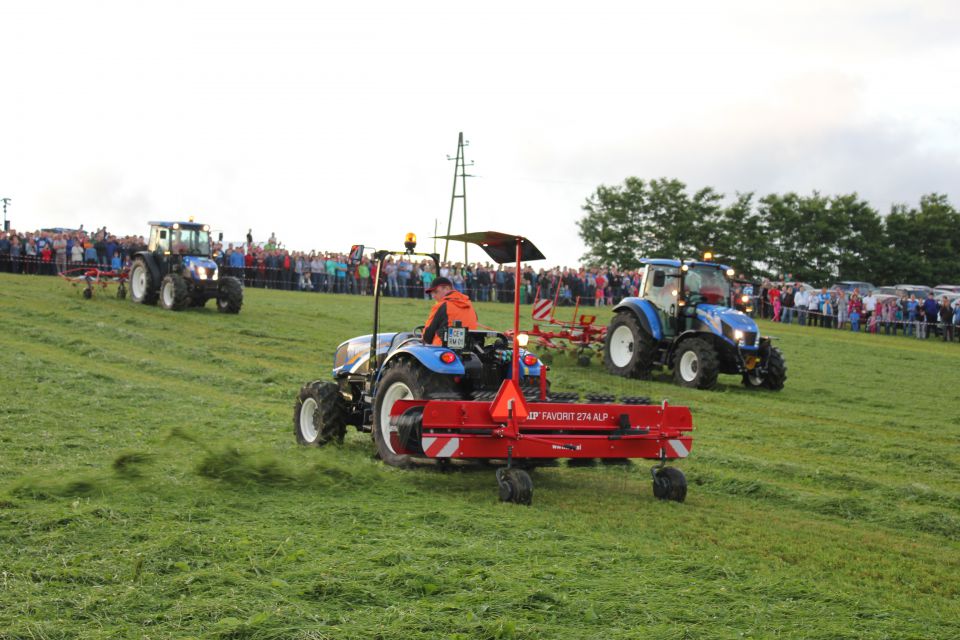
(837, 308)
(270, 265)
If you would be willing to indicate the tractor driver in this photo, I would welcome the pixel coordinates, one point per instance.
(451, 306)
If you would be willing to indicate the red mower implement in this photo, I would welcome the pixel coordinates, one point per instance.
(481, 396)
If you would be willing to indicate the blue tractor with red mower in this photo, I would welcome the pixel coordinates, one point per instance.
(482, 396)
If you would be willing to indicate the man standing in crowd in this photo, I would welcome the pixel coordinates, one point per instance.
(869, 307)
(800, 302)
(931, 311)
(946, 319)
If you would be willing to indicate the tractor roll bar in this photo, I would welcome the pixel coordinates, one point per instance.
(380, 255)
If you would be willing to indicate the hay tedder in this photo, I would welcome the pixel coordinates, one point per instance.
(94, 277)
(481, 396)
(580, 335)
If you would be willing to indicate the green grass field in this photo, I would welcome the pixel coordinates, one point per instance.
(150, 487)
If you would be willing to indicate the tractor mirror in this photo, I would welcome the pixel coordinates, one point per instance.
(659, 278)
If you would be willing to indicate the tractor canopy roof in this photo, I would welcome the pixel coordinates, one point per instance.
(183, 225)
(501, 247)
(667, 262)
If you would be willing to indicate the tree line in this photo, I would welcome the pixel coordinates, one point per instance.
(815, 238)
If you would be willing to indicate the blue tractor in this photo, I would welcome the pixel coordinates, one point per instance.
(684, 319)
(373, 372)
(178, 270)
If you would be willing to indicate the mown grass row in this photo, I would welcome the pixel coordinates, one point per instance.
(150, 487)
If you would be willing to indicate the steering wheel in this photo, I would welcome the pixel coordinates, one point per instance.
(418, 332)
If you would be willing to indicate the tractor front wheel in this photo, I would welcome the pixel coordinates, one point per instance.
(628, 350)
(319, 415)
(230, 295)
(143, 289)
(403, 381)
(174, 295)
(695, 364)
(774, 373)
(669, 483)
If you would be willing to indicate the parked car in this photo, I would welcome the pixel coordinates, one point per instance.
(920, 290)
(850, 285)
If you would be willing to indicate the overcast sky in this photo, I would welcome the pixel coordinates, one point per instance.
(330, 123)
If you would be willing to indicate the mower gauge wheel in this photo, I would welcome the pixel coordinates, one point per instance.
(669, 483)
(515, 486)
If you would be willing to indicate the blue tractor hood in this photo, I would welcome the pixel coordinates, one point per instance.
(724, 322)
(194, 263)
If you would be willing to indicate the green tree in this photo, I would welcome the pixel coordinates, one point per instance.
(924, 242)
(863, 253)
(625, 223)
(738, 239)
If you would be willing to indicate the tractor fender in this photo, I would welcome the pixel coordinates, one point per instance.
(428, 356)
(646, 313)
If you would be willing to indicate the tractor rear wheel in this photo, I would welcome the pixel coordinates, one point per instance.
(174, 295)
(774, 376)
(695, 364)
(628, 350)
(403, 381)
(319, 414)
(669, 483)
(143, 290)
(230, 295)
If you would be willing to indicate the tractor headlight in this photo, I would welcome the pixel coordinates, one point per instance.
(202, 273)
(738, 337)
(523, 339)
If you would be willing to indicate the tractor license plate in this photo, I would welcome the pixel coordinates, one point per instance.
(456, 337)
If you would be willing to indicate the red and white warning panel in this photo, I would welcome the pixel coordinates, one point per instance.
(466, 429)
(542, 309)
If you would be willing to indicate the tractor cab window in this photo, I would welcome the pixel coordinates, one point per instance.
(707, 284)
(661, 296)
(190, 242)
(159, 239)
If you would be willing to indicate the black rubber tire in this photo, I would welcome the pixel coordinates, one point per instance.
(141, 279)
(328, 419)
(230, 295)
(669, 483)
(121, 291)
(583, 360)
(642, 347)
(87, 293)
(775, 375)
(702, 366)
(420, 385)
(776, 370)
(546, 358)
(515, 486)
(174, 295)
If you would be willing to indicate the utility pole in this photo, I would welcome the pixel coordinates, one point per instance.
(459, 172)
(6, 225)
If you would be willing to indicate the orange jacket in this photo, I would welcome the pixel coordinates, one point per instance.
(452, 307)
